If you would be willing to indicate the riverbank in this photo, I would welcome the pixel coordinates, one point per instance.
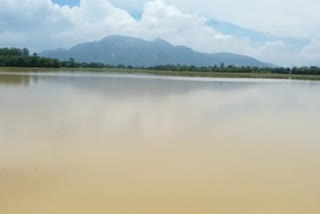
(167, 73)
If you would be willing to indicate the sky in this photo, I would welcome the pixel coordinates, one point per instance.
(282, 32)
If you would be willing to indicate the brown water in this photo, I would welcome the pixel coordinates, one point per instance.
(119, 144)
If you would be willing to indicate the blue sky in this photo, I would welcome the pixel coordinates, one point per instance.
(67, 2)
(277, 32)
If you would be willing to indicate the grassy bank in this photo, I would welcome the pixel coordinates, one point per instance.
(167, 73)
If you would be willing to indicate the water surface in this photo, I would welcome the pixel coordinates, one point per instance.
(74, 143)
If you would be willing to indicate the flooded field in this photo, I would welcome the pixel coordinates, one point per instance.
(128, 144)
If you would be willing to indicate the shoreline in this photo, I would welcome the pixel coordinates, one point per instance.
(167, 73)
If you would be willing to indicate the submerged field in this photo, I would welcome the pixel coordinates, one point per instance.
(78, 143)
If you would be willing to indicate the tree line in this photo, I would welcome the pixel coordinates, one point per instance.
(307, 70)
(15, 57)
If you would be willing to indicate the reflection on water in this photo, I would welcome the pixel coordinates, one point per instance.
(16, 79)
(142, 144)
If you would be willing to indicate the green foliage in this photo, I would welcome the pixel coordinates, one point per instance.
(312, 70)
(25, 52)
(15, 57)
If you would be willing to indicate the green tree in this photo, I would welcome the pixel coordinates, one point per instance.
(25, 52)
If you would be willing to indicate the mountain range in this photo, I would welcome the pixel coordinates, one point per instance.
(116, 50)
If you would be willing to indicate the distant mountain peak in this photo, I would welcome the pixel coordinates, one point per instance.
(119, 49)
(161, 41)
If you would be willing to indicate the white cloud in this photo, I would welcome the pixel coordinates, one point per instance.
(40, 24)
(312, 51)
(283, 18)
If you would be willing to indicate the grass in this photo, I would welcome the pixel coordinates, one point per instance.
(167, 73)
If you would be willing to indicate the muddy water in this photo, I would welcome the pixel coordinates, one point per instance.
(85, 143)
